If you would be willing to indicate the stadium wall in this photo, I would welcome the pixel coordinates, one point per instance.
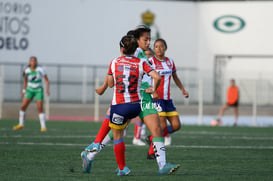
(88, 32)
(249, 36)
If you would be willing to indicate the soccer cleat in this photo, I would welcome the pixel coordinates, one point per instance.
(168, 169)
(123, 172)
(43, 129)
(151, 156)
(167, 140)
(17, 127)
(86, 164)
(138, 142)
(93, 147)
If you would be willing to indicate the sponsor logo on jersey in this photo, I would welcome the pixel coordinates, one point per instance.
(167, 72)
(120, 68)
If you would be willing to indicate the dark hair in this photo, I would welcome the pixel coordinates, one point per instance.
(129, 43)
(138, 32)
(33, 57)
(163, 41)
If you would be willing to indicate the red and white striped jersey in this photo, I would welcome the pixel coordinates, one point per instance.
(127, 73)
(165, 69)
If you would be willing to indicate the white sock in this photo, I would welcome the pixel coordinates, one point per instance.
(143, 130)
(42, 120)
(21, 117)
(105, 141)
(160, 152)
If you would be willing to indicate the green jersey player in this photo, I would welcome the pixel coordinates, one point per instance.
(33, 87)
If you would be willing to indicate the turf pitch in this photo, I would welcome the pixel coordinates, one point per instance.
(205, 153)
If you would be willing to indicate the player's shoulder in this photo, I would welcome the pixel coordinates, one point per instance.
(27, 69)
(40, 68)
(169, 59)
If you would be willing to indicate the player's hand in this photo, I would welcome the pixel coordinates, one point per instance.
(150, 90)
(22, 94)
(47, 93)
(185, 93)
(100, 90)
(155, 95)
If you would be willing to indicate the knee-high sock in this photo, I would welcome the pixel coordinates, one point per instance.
(105, 141)
(167, 130)
(160, 151)
(42, 120)
(151, 150)
(138, 127)
(104, 129)
(119, 149)
(21, 117)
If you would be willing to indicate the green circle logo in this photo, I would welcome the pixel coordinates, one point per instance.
(229, 24)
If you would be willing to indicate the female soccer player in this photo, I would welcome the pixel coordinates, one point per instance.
(166, 68)
(33, 87)
(125, 74)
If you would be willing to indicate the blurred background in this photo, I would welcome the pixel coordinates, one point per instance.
(75, 40)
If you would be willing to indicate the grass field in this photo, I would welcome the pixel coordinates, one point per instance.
(205, 153)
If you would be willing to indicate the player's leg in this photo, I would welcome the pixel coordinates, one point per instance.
(221, 113)
(39, 95)
(103, 137)
(138, 128)
(119, 116)
(152, 123)
(26, 101)
(41, 115)
(167, 138)
(236, 112)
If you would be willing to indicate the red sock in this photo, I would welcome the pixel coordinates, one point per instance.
(119, 150)
(138, 127)
(165, 132)
(104, 129)
(151, 150)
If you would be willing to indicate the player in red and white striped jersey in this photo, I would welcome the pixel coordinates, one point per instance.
(125, 75)
(165, 66)
(127, 72)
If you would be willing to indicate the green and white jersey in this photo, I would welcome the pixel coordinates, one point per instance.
(34, 78)
(139, 53)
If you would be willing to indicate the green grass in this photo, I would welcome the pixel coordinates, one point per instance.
(205, 153)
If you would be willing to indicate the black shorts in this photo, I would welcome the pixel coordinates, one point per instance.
(236, 104)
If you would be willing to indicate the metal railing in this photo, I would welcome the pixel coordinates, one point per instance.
(76, 82)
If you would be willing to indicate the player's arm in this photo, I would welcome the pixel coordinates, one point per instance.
(47, 84)
(157, 78)
(180, 85)
(110, 81)
(100, 90)
(24, 85)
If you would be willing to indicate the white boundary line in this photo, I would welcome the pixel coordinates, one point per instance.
(130, 136)
(130, 145)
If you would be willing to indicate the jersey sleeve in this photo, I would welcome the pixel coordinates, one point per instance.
(174, 68)
(147, 68)
(110, 69)
(43, 71)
